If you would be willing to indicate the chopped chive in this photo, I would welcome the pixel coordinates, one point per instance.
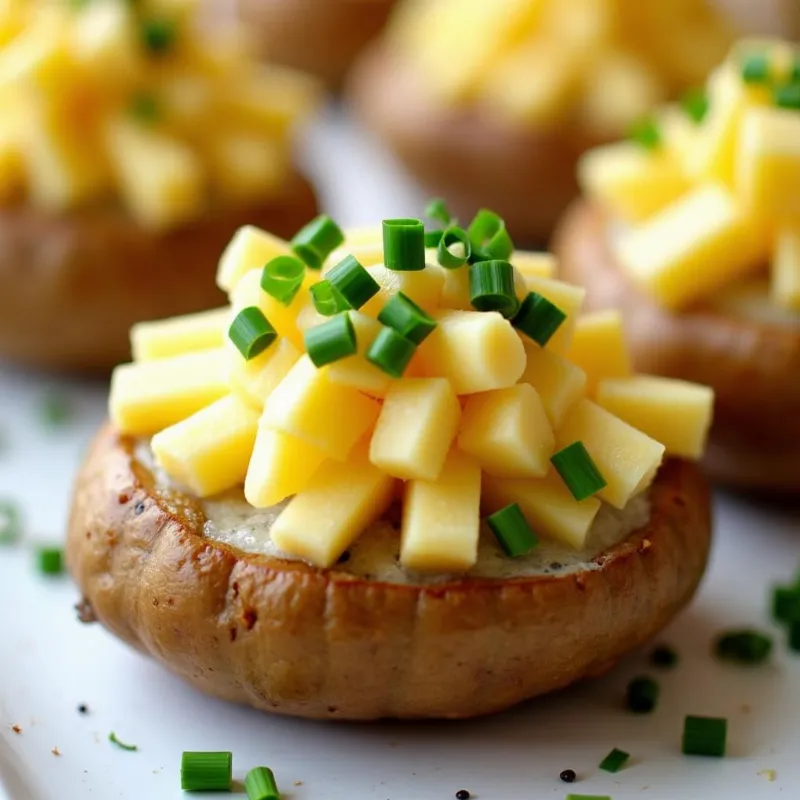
(588, 797)
(491, 287)
(512, 531)
(51, 560)
(437, 210)
(206, 772)
(642, 695)
(646, 133)
(794, 73)
(538, 318)
(663, 656)
(404, 245)
(489, 237)
(10, 522)
(614, 761)
(454, 248)
(353, 282)
(794, 636)
(432, 238)
(55, 409)
(403, 315)
(578, 471)
(251, 332)
(314, 242)
(145, 107)
(787, 96)
(743, 647)
(391, 352)
(755, 68)
(331, 341)
(327, 301)
(786, 603)
(704, 736)
(695, 105)
(158, 36)
(282, 278)
(112, 737)
(260, 784)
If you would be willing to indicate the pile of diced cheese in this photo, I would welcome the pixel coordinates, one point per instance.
(598, 63)
(715, 196)
(139, 100)
(470, 427)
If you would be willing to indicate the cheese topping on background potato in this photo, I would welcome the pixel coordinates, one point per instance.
(142, 101)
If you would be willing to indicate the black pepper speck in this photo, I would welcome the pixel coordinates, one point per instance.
(568, 776)
(462, 794)
(139, 509)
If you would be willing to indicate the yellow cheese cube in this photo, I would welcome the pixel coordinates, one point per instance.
(547, 505)
(768, 162)
(693, 247)
(365, 235)
(423, 286)
(675, 413)
(678, 132)
(785, 283)
(536, 265)
(356, 371)
(209, 451)
(249, 249)
(630, 181)
(416, 428)
(441, 518)
(172, 337)
(280, 466)
(368, 254)
(508, 432)
(329, 416)
(455, 290)
(627, 458)
(161, 180)
(337, 505)
(569, 299)
(246, 166)
(152, 395)
(558, 382)
(474, 351)
(256, 379)
(599, 348)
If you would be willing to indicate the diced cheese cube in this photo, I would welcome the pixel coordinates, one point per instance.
(256, 379)
(152, 395)
(423, 286)
(678, 132)
(599, 348)
(367, 234)
(369, 254)
(337, 505)
(280, 466)
(535, 265)
(569, 299)
(475, 351)
(627, 458)
(558, 382)
(441, 518)
(455, 290)
(415, 429)
(630, 181)
(675, 413)
(356, 371)
(172, 337)
(508, 432)
(209, 451)
(245, 166)
(785, 283)
(693, 247)
(249, 249)
(768, 163)
(329, 416)
(547, 505)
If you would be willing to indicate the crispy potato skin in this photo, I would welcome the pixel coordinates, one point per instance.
(286, 637)
(527, 175)
(71, 286)
(754, 368)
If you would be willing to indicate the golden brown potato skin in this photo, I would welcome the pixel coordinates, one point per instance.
(322, 37)
(71, 286)
(753, 367)
(286, 637)
(525, 175)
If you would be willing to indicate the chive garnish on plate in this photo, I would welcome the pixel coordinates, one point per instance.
(743, 647)
(538, 318)
(491, 287)
(614, 761)
(695, 105)
(10, 522)
(704, 736)
(438, 211)
(512, 531)
(206, 772)
(331, 341)
(578, 471)
(642, 695)
(454, 248)
(664, 656)
(646, 133)
(55, 409)
(755, 68)
(786, 603)
(314, 242)
(787, 96)
(50, 560)
(282, 278)
(159, 36)
(489, 238)
(391, 352)
(353, 282)
(588, 797)
(251, 332)
(403, 315)
(131, 748)
(260, 784)
(404, 245)
(327, 301)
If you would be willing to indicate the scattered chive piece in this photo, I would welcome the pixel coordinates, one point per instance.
(314, 242)
(437, 209)
(10, 522)
(55, 409)
(158, 36)
(403, 315)
(787, 96)
(695, 104)
(260, 784)
(646, 133)
(51, 560)
(251, 332)
(353, 282)
(454, 248)
(642, 695)
(743, 647)
(206, 772)
(538, 318)
(327, 301)
(331, 341)
(489, 237)
(432, 238)
(145, 107)
(112, 737)
(614, 761)
(404, 245)
(512, 531)
(786, 603)
(794, 636)
(282, 278)
(391, 352)
(578, 471)
(663, 656)
(794, 74)
(588, 797)
(755, 68)
(704, 736)
(491, 287)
